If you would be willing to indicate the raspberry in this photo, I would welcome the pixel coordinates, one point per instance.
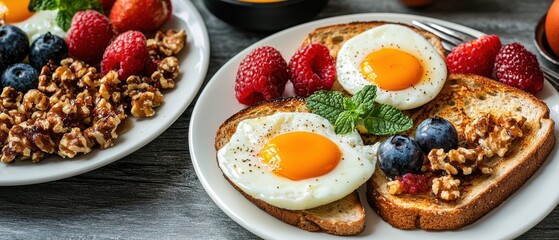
(312, 68)
(476, 56)
(89, 35)
(414, 183)
(518, 67)
(262, 75)
(127, 54)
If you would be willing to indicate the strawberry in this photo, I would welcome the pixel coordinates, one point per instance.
(476, 56)
(519, 68)
(140, 15)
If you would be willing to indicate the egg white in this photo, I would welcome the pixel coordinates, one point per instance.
(240, 162)
(40, 23)
(354, 51)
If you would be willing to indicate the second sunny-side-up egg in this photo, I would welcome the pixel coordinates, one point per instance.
(295, 160)
(407, 70)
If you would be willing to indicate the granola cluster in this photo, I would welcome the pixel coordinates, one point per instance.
(75, 108)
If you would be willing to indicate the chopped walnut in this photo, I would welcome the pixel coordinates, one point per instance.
(74, 142)
(167, 72)
(103, 130)
(167, 43)
(11, 98)
(33, 101)
(143, 103)
(18, 144)
(462, 159)
(395, 187)
(446, 188)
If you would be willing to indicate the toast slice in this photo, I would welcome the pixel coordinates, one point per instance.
(463, 97)
(334, 36)
(343, 217)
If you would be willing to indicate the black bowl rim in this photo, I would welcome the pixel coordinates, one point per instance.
(260, 4)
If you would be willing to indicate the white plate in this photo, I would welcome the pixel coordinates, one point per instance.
(216, 103)
(194, 61)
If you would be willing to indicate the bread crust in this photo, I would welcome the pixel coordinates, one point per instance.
(484, 195)
(330, 218)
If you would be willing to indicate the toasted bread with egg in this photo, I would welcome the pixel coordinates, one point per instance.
(342, 217)
(334, 36)
(462, 98)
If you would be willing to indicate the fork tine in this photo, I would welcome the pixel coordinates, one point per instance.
(552, 80)
(440, 34)
(551, 76)
(452, 32)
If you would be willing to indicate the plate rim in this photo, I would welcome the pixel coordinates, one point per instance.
(514, 232)
(187, 10)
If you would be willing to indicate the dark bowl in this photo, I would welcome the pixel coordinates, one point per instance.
(265, 16)
(541, 43)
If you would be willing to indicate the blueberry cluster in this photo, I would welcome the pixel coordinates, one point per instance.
(14, 48)
(400, 154)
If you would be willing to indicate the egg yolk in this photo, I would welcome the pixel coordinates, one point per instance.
(391, 69)
(17, 10)
(300, 155)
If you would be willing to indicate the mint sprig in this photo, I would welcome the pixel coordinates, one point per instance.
(66, 9)
(347, 112)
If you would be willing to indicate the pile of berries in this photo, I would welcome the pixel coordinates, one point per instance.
(511, 64)
(15, 48)
(263, 74)
(91, 38)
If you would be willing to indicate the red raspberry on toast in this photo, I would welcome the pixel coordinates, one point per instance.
(518, 67)
(312, 68)
(262, 75)
(140, 15)
(89, 35)
(127, 55)
(476, 56)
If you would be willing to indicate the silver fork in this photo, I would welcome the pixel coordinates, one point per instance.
(452, 37)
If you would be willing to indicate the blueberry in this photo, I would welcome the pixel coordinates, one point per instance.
(398, 155)
(20, 76)
(435, 133)
(47, 47)
(14, 45)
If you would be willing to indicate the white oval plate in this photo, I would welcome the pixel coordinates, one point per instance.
(524, 209)
(194, 60)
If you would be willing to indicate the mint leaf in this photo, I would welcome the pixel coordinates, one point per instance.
(327, 104)
(66, 9)
(64, 19)
(37, 5)
(345, 122)
(386, 120)
(365, 99)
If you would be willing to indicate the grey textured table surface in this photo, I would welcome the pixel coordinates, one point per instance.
(154, 193)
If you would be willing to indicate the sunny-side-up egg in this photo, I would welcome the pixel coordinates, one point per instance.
(33, 24)
(405, 67)
(295, 160)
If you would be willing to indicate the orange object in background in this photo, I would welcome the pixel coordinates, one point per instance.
(17, 10)
(416, 3)
(552, 27)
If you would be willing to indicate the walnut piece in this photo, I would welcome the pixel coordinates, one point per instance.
(167, 43)
(446, 188)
